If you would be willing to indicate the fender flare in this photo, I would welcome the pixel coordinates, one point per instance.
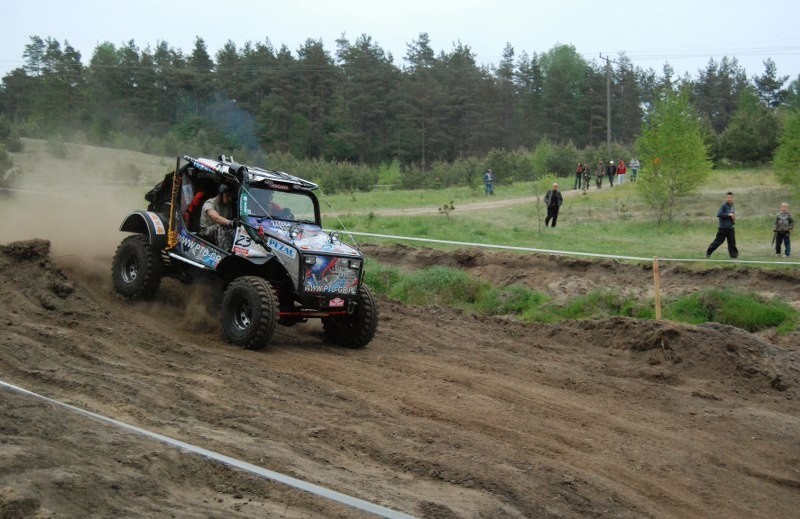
(148, 223)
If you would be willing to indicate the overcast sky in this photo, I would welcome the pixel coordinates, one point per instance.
(685, 33)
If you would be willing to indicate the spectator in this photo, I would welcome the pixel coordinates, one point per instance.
(621, 170)
(599, 171)
(578, 176)
(611, 172)
(587, 175)
(488, 182)
(553, 201)
(784, 224)
(727, 219)
(634, 164)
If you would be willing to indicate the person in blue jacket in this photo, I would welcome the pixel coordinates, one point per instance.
(727, 220)
(488, 182)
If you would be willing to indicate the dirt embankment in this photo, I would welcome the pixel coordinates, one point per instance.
(562, 277)
(443, 415)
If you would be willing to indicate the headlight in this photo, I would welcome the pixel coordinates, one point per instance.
(309, 259)
(355, 264)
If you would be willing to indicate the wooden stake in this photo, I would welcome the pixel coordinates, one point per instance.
(657, 288)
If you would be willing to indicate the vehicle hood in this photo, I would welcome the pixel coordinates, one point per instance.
(307, 237)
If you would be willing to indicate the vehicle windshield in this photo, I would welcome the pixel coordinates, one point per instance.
(259, 202)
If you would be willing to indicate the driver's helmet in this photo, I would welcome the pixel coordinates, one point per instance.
(224, 188)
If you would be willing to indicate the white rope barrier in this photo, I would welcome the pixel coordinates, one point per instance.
(522, 249)
(227, 460)
(568, 253)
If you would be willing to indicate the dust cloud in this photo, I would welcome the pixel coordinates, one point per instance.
(77, 201)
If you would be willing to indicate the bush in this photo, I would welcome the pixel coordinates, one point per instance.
(6, 168)
(598, 304)
(380, 278)
(9, 136)
(439, 286)
(787, 157)
(743, 310)
(510, 300)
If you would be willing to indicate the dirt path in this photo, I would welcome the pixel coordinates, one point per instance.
(489, 203)
(443, 415)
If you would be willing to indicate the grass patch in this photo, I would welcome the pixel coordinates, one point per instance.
(439, 286)
(510, 300)
(743, 310)
(445, 286)
(597, 304)
(606, 221)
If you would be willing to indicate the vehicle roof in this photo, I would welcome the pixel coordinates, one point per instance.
(226, 167)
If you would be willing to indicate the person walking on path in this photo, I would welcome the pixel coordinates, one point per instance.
(587, 175)
(611, 172)
(634, 164)
(488, 182)
(553, 201)
(784, 225)
(578, 176)
(621, 170)
(599, 171)
(727, 219)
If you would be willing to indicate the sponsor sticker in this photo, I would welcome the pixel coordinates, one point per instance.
(281, 247)
(157, 223)
(197, 251)
(336, 302)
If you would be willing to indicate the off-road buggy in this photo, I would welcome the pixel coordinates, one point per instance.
(283, 268)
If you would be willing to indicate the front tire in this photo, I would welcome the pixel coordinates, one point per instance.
(136, 269)
(249, 312)
(358, 329)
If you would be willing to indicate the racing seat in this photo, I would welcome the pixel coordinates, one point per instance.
(193, 211)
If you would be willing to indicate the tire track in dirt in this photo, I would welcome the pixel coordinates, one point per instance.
(444, 414)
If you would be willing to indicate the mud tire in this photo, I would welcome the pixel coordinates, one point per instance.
(249, 312)
(136, 269)
(355, 330)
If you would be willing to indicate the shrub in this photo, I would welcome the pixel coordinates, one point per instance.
(510, 300)
(6, 168)
(743, 310)
(439, 286)
(787, 156)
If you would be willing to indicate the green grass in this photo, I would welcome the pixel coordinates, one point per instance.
(610, 221)
(740, 309)
(445, 286)
(439, 286)
(358, 202)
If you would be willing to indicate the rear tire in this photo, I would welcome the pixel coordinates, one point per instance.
(358, 329)
(249, 312)
(136, 269)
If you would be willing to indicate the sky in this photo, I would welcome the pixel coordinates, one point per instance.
(685, 33)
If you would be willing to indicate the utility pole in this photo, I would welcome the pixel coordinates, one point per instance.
(608, 103)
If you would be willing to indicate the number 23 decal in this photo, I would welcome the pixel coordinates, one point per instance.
(243, 240)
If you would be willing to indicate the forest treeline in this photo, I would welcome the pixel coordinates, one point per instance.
(354, 106)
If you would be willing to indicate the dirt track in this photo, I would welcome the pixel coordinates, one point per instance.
(443, 415)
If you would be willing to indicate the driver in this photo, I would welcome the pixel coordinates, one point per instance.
(274, 210)
(216, 219)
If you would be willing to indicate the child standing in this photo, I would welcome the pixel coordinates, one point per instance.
(784, 223)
